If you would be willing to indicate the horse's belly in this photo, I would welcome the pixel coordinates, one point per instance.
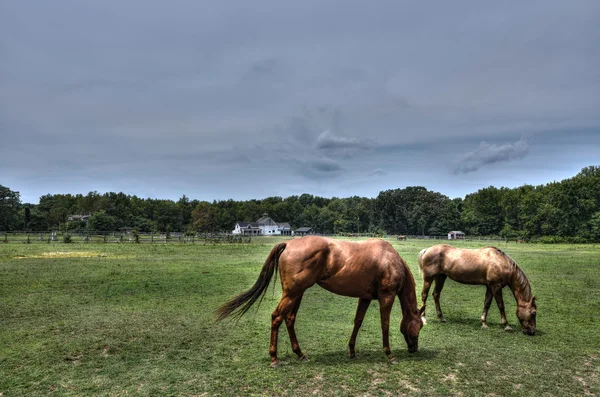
(348, 288)
(468, 277)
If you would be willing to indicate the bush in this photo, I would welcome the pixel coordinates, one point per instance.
(67, 238)
(563, 240)
(136, 236)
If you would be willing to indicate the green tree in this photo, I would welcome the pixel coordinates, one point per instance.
(9, 207)
(204, 217)
(103, 222)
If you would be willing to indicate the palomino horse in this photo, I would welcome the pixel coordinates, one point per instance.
(489, 266)
(367, 270)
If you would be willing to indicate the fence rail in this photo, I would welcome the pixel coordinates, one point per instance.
(57, 237)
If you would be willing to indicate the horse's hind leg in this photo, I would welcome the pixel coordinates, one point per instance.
(439, 284)
(289, 323)
(285, 305)
(424, 293)
(486, 307)
(363, 305)
(500, 301)
(385, 308)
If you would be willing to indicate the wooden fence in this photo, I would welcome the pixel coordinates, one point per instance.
(57, 237)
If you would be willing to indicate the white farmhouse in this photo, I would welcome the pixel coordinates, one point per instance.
(265, 226)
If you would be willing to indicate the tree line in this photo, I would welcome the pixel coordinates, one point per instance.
(568, 210)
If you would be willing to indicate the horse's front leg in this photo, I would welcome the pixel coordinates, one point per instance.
(385, 308)
(424, 294)
(363, 305)
(486, 307)
(500, 302)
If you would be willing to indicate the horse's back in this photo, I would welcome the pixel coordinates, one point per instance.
(350, 268)
(469, 266)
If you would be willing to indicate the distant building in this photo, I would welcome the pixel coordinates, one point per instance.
(247, 229)
(265, 226)
(456, 235)
(81, 218)
(304, 231)
(285, 229)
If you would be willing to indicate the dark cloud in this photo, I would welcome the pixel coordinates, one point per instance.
(336, 145)
(325, 165)
(378, 172)
(489, 154)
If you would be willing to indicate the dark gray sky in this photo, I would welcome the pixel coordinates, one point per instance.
(251, 99)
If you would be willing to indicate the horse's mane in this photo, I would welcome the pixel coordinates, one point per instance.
(519, 276)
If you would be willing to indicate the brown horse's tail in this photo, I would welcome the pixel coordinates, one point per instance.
(245, 300)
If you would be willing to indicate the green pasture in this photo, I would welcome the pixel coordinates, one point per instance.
(127, 319)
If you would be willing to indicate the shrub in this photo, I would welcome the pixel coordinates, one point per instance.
(136, 236)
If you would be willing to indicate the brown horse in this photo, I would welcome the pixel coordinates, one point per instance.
(488, 266)
(367, 270)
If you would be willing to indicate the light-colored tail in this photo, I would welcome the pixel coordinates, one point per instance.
(420, 260)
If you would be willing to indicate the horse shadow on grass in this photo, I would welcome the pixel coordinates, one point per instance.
(336, 358)
(473, 324)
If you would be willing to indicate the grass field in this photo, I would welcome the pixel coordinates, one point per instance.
(127, 319)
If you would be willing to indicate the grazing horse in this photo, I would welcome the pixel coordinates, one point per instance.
(488, 266)
(367, 270)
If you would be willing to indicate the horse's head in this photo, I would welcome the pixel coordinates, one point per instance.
(410, 328)
(526, 312)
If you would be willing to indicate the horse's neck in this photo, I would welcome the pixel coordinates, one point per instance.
(408, 300)
(520, 285)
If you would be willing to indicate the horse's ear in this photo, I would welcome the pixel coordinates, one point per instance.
(533, 302)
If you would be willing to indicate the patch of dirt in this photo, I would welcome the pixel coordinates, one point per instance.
(449, 378)
(409, 386)
(377, 381)
(586, 388)
(71, 254)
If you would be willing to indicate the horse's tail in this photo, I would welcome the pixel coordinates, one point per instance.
(246, 299)
(420, 260)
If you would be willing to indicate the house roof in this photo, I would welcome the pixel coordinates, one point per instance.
(304, 229)
(456, 232)
(265, 220)
(284, 225)
(248, 224)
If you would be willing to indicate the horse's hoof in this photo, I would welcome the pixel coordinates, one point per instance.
(275, 364)
(393, 361)
(442, 320)
(351, 355)
(508, 328)
(484, 326)
(304, 359)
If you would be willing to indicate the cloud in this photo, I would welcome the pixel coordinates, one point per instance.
(489, 154)
(341, 145)
(325, 165)
(378, 172)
